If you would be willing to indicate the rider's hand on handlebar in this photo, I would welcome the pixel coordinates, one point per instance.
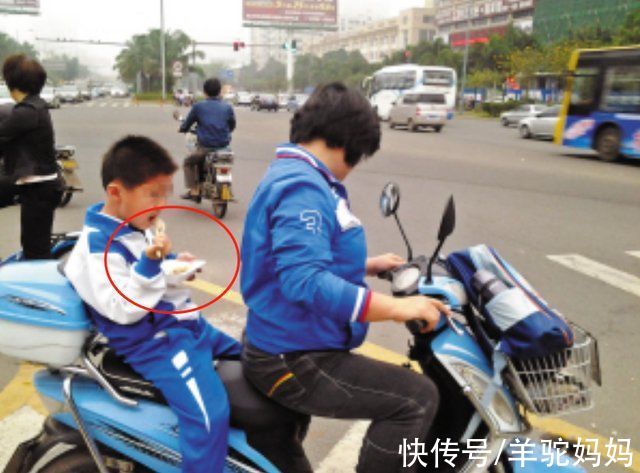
(160, 248)
(382, 263)
(419, 308)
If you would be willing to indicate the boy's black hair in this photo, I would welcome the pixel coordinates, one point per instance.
(342, 117)
(23, 73)
(134, 160)
(212, 87)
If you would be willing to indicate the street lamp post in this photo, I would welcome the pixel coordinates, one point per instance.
(162, 53)
(466, 56)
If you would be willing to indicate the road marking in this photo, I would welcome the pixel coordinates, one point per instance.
(614, 277)
(634, 253)
(103, 104)
(20, 392)
(114, 105)
(214, 290)
(91, 104)
(127, 105)
(344, 454)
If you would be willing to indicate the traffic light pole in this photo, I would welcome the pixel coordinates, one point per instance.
(163, 58)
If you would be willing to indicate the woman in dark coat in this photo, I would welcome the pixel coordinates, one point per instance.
(27, 144)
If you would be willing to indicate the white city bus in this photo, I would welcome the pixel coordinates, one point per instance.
(386, 85)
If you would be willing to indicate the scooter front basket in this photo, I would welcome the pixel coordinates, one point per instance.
(560, 383)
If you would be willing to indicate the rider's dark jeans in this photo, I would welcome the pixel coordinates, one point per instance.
(192, 166)
(38, 203)
(400, 403)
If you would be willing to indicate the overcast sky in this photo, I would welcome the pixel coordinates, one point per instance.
(118, 20)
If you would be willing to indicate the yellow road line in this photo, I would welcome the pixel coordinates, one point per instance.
(214, 290)
(20, 392)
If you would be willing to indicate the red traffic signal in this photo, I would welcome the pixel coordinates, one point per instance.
(237, 45)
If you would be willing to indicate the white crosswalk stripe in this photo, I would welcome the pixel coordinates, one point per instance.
(344, 455)
(634, 253)
(612, 276)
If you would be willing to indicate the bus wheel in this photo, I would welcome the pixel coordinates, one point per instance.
(412, 126)
(608, 144)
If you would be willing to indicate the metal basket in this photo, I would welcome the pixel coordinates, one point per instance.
(561, 383)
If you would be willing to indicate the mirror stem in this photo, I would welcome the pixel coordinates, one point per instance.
(404, 237)
(432, 260)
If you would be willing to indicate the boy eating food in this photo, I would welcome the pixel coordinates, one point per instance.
(174, 352)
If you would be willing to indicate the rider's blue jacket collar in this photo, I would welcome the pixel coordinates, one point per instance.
(293, 151)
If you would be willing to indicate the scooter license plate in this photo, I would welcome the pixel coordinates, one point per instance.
(224, 178)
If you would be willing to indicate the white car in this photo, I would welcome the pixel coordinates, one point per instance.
(5, 96)
(245, 98)
(542, 125)
(48, 94)
(419, 109)
(69, 93)
(119, 92)
(513, 117)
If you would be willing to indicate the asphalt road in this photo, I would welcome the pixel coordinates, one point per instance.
(528, 199)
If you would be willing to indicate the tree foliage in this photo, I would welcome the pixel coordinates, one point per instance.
(9, 46)
(142, 55)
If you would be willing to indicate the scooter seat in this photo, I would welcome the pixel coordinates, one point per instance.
(250, 409)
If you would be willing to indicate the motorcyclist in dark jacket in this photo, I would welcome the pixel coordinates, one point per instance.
(27, 144)
(216, 121)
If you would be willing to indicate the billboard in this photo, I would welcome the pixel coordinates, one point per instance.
(29, 7)
(473, 10)
(296, 12)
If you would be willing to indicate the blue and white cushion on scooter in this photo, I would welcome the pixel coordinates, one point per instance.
(518, 317)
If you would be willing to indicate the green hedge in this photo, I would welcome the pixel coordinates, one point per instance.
(494, 109)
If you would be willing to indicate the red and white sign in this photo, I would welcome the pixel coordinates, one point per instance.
(308, 12)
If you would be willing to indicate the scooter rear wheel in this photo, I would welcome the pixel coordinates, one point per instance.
(220, 210)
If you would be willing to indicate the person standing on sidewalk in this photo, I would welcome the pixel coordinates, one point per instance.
(304, 264)
(27, 144)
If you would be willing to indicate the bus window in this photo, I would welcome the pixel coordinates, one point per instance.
(432, 98)
(441, 78)
(583, 96)
(622, 89)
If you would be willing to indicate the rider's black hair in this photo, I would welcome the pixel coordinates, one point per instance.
(212, 87)
(134, 160)
(342, 117)
(23, 73)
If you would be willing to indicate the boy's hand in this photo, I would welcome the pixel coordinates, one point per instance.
(160, 248)
(386, 262)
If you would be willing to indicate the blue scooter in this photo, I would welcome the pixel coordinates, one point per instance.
(103, 416)
(484, 396)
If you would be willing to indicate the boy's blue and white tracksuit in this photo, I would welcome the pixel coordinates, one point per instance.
(304, 260)
(174, 352)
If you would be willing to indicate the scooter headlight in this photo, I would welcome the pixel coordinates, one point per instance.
(500, 409)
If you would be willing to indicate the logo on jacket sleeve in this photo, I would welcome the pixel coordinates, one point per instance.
(312, 220)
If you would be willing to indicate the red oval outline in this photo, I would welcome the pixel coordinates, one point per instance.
(174, 207)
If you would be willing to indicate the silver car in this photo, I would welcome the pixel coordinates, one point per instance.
(542, 125)
(419, 109)
(48, 94)
(513, 117)
(5, 96)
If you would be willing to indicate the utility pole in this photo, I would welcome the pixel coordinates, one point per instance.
(290, 62)
(163, 58)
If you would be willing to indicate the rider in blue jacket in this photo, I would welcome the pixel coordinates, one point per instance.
(304, 264)
(216, 120)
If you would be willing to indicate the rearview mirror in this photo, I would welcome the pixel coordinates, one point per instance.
(448, 222)
(389, 199)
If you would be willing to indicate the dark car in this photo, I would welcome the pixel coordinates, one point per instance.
(265, 102)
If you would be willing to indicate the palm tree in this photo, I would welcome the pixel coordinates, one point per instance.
(142, 55)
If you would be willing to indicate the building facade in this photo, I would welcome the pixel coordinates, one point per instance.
(555, 20)
(481, 18)
(378, 39)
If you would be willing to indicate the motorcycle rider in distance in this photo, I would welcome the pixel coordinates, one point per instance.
(303, 280)
(216, 120)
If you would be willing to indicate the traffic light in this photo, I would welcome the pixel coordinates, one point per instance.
(294, 44)
(238, 45)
